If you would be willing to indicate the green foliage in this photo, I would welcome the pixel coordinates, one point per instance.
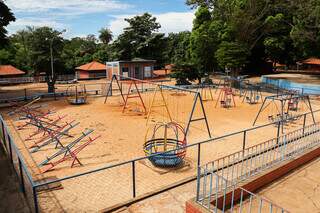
(141, 40)
(6, 16)
(5, 56)
(203, 42)
(184, 72)
(232, 55)
(105, 35)
(177, 47)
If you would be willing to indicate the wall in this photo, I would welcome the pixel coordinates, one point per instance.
(132, 66)
(82, 74)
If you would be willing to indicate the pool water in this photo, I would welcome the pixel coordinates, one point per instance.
(312, 89)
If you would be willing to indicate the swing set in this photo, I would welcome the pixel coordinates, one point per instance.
(130, 94)
(226, 98)
(252, 94)
(162, 94)
(205, 92)
(284, 105)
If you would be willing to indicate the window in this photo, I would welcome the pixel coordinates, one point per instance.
(147, 72)
(125, 71)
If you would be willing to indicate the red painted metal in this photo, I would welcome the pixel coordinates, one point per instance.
(69, 155)
(128, 96)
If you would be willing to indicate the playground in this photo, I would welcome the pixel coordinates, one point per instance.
(119, 127)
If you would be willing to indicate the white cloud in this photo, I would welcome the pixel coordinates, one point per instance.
(52, 13)
(22, 23)
(66, 7)
(170, 22)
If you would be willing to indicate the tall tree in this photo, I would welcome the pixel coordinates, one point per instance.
(141, 39)
(105, 35)
(46, 45)
(6, 16)
(203, 42)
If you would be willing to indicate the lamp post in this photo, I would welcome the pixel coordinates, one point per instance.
(51, 56)
(51, 53)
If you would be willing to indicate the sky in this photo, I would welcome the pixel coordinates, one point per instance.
(83, 17)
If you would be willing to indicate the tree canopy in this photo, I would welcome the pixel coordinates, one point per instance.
(6, 16)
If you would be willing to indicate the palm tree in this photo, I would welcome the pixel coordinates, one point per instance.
(105, 35)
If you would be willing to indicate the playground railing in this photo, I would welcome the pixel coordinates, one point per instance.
(125, 182)
(20, 167)
(21, 80)
(241, 200)
(240, 166)
(92, 89)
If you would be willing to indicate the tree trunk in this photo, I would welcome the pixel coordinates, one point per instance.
(51, 88)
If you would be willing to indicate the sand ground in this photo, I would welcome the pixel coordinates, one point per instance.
(122, 138)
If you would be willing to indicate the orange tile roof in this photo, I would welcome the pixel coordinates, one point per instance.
(92, 66)
(314, 61)
(10, 70)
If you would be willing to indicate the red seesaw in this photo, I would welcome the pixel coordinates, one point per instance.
(67, 153)
(54, 135)
(44, 126)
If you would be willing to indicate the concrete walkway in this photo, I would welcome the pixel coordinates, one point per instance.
(171, 201)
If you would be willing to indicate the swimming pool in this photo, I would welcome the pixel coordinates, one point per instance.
(312, 89)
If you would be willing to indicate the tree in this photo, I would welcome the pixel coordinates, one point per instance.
(232, 55)
(105, 35)
(177, 47)
(6, 16)
(140, 40)
(46, 45)
(305, 31)
(203, 42)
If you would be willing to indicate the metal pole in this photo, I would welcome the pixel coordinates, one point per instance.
(51, 55)
(282, 116)
(310, 107)
(4, 136)
(204, 114)
(198, 183)
(133, 179)
(304, 122)
(278, 131)
(35, 199)
(244, 140)
(25, 94)
(199, 152)
(260, 110)
(21, 175)
(10, 149)
(198, 172)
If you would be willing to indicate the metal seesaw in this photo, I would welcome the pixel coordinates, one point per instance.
(67, 152)
(54, 136)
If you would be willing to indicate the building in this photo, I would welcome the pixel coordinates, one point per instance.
(136, 68)
(92, 70)
(310, 64)
(9, 71)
